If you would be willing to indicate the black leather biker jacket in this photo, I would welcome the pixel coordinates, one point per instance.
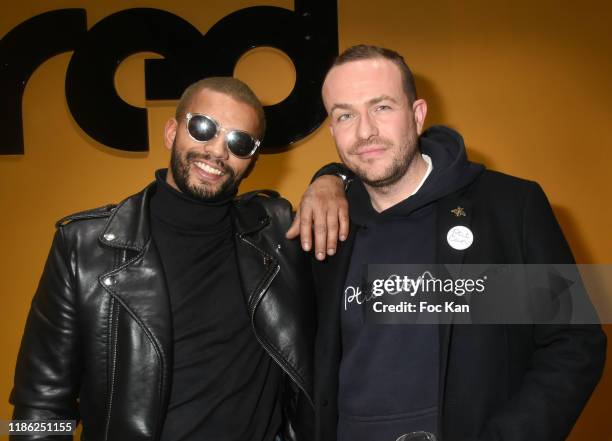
(98, 340)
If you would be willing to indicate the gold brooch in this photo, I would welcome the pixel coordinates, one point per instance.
(459, 211)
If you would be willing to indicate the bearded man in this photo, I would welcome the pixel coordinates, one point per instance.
(181, 313)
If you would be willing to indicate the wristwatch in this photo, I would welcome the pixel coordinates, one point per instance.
(336, 169)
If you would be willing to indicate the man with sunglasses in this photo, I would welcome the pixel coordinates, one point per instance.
(181, 313)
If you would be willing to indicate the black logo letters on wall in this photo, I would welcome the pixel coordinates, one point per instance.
(308, 35)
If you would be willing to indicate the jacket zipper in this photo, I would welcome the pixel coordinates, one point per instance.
(113, 330)
(114, 324)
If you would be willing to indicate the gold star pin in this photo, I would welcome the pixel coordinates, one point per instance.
(459, 211)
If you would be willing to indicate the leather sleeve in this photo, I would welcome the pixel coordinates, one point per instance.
(47, 372)
(567, 360)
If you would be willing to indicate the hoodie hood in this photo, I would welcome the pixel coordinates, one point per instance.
(451, 172)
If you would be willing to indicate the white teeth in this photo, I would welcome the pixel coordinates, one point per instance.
(208, 169)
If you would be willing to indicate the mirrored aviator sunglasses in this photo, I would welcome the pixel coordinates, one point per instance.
(202, 128)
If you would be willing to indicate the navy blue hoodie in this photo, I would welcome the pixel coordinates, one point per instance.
(388, 383)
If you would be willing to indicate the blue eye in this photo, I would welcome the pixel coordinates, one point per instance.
(343, 117)
(383, 107)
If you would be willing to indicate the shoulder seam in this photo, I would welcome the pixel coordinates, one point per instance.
(95, 213)
(246, 197)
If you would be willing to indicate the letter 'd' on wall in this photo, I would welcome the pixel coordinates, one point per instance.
(308, 35)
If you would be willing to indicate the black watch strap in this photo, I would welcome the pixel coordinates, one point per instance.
(336, 169)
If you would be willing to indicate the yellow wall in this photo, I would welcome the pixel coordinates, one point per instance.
(527, 85)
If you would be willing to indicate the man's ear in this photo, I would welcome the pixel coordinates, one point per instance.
(170, 133)
(419, 109)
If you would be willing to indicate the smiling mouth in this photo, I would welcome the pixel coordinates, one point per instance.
(208, 168)
(371, 150)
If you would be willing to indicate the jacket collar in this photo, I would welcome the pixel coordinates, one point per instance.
(129, 228)
(248, 218)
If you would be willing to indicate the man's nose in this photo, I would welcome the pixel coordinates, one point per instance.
(216, 147)
(366, 126)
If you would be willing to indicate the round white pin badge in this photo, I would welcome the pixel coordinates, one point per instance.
(460, 237)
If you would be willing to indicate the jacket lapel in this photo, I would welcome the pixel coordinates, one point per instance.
(137, 281)
(256, 266)
(451, 211)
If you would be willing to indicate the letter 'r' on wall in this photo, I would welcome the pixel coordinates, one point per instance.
(308, 35)
(22, 51)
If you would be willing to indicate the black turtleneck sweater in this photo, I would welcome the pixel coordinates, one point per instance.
(224, 385)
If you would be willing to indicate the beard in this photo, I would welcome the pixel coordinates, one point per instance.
(398, 167)
(180, 171)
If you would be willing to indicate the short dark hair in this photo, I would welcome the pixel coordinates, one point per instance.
(229, 86)
(367, 52)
